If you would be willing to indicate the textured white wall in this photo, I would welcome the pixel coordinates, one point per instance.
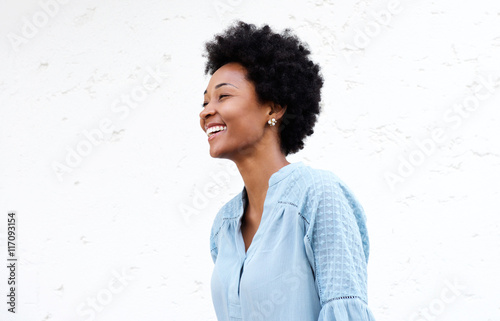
(118, 228)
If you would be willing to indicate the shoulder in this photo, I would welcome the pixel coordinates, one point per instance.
(228, 210)
(318, 178)
(331, 200)
(316, 184)
(321, 181)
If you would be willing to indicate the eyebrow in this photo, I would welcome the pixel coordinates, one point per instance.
(220, 85)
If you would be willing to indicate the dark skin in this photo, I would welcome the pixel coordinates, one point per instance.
(249, 141)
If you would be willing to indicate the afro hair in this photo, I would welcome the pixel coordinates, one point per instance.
(281, 71)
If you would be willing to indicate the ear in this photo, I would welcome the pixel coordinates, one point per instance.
(277, 111)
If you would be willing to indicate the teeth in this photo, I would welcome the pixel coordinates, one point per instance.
(213, 129)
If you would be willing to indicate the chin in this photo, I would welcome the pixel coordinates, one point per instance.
(218, 153)
(215, 153)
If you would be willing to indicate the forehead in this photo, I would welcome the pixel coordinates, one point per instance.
(233, 73)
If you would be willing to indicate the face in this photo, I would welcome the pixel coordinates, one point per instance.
(231, 106)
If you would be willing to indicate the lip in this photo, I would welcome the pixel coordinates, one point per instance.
(216, 134)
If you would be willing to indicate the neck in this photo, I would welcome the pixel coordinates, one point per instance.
(256, 170)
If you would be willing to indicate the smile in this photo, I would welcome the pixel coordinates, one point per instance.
(214, 131)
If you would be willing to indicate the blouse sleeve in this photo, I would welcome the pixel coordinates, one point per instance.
(337, 249)
(217, 225)
(214, 250)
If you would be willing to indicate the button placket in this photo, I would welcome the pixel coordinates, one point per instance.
(234, 303)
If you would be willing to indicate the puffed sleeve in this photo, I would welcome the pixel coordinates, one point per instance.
(337, 248)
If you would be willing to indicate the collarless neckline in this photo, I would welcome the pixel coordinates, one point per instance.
(275, 178)
(282, 173)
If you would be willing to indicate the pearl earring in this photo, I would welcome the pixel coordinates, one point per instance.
(271, 122)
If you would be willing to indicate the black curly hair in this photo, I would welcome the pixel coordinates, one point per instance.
(281, 71)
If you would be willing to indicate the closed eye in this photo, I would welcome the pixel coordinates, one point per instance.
(220, 97)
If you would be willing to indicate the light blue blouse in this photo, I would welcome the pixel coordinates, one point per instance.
(307, 260)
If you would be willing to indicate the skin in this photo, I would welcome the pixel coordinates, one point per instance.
(249, 141)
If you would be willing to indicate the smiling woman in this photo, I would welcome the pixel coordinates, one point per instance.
(293, 244)
(229, 97)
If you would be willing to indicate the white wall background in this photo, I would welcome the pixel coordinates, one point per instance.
(401, 78)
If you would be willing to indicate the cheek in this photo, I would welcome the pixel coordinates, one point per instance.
(245, 133)
(244, 122)
(247, 126)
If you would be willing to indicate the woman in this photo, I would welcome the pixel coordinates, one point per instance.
(292, 245)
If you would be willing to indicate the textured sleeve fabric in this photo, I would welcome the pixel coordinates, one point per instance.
(337, 248)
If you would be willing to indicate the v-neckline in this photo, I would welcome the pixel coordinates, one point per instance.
(246, 255)
(240, 224)
(249, 226)
(273, 180)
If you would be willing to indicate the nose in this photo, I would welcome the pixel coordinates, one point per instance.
(207, 111)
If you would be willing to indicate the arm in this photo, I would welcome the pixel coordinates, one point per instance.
(337, 248)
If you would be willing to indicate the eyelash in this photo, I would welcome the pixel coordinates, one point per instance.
(204, 104)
